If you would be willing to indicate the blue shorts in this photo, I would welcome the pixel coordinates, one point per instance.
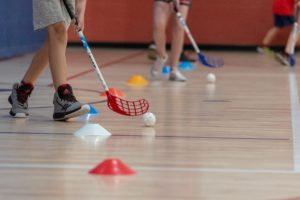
(283, 21)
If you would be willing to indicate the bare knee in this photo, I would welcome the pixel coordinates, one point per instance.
(58, 32)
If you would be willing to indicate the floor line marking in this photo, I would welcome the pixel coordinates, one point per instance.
(295, 115)
(110, 63)
(157, 136)
(151, 168)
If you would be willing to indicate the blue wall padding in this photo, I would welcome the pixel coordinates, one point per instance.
(16, 29)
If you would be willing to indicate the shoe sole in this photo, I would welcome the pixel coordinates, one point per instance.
(83, 110)
(16, 115)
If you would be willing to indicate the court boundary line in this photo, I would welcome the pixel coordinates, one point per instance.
(110, 63)
(157, 136)
(295, 115)
(147, 168)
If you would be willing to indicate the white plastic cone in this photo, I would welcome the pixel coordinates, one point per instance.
(92, 130)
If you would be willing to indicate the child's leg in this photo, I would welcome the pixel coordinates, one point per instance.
(58, 39)
(39, 62)
(161, 15)
(284, 57)
(65, 104)
(177, 44)
(288, 47)
(178, 37)
(21, 91)
(269, 36)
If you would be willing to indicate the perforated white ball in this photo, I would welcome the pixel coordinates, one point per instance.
(149, 119)
(211, 77)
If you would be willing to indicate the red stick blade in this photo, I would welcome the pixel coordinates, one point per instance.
(128, 108)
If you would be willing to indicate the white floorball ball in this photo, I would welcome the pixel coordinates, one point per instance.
(149, 119)
(211, 77)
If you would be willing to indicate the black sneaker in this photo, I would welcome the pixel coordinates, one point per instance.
(19, 100)
(66, 106)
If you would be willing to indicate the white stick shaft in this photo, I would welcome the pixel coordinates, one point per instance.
(188, 32)
(91, 56)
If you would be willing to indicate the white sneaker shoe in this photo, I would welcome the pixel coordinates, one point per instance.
(157, 66)
(176, 75)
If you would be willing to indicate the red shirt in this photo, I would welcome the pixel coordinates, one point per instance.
(283, 7)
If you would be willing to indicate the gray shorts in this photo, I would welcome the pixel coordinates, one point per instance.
(48, 12)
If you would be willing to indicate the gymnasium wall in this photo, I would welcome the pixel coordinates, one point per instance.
(16, 32)
(213, 22)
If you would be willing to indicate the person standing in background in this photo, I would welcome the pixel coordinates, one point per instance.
(163, 9)
(283, 14)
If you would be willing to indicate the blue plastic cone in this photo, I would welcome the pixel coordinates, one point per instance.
(93, 110)
(185, 65)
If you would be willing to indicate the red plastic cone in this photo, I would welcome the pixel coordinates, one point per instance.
(112, 167)
(115, 92)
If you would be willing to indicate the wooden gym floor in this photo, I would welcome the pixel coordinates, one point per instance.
(237, 139)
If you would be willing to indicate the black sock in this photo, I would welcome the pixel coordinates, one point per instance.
(27, 87)
(64, 89)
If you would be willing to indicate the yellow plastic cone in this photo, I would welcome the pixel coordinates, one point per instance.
(137, 80)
